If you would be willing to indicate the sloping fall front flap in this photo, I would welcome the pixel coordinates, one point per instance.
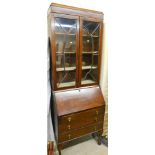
(76, 100)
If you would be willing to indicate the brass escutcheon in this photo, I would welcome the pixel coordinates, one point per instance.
(69, 136)
(95, 128)
(69, 127)
(69, 119)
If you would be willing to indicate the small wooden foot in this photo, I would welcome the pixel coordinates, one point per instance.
(93, 135)
(59, 152)
(99, 135)
(60, 146)
(99, 140)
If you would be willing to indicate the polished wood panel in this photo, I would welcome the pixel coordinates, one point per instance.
(76, 100)
(80, 132)
(53, 54)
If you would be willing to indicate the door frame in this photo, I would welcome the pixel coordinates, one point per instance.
(53, 51)
(99, 50)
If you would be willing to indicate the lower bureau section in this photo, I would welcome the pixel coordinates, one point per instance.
(78, 112)
(79, 132)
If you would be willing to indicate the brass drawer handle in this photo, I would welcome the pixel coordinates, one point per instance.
(69, 136)
(69, 127)
(95, 128)
(69, 119)
(96, 119)
(96, 112)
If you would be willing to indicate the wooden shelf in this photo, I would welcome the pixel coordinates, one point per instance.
(90, 36)
(66, 68)
(70, 34)
(88, 67)
(66, 84)
(87, 81)
(61, 53)
(95, 52)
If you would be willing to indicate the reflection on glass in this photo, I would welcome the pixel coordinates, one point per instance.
(64, 25)
(65, 32)
(90, 52)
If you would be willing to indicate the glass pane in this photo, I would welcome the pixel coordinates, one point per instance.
(90, 52)
(65, 32)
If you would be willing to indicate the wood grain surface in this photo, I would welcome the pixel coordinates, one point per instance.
(76, 100)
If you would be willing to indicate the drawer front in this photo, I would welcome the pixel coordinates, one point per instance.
(80, 132)
(69, 126)
(80, 119)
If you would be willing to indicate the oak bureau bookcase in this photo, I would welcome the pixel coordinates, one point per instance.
(78, 106)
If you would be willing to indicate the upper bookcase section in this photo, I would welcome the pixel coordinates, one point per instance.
(75, 36)
(63, 9)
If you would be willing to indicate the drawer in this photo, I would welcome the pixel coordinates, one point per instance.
(80, 132)
(83, 121)
(77, 120)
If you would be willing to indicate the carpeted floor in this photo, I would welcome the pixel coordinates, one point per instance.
(88, 147)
